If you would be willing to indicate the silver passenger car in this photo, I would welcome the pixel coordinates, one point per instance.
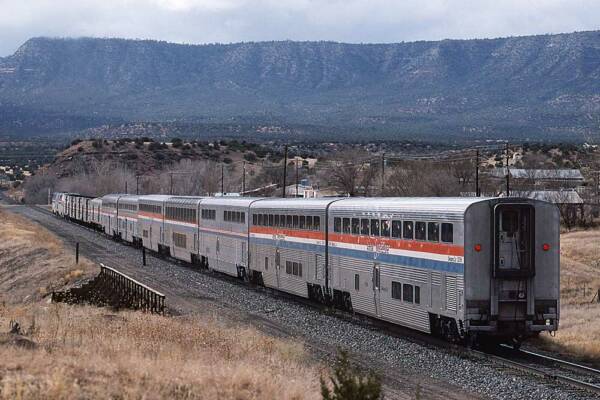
(127, 219)
(288, 245)
(152, 222)
(181, 227)
(224, 233)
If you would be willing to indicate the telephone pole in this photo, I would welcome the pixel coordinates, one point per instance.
(296, 162)
(477, 191)
(222, 179)
(285, 154)
(137, 184)
(243, 177)
(507, 173)
(171, 183)
(126, 192)
(382, 173)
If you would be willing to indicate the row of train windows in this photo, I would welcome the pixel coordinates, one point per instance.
(151, 208)
(181, 214)
(406, 292)
(396, 229)
(234, 216)
(128, 207)
(293, 268)
(312, 223)
(109, 204)
(209, 214)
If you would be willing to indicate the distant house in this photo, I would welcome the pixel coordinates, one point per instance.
(4, 181)
(540, 178)
(309, 191)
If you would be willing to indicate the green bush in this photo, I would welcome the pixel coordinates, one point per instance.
(349, 383)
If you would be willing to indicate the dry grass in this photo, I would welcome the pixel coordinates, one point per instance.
(33, 261)
(83, 352)
(579, 329)
(74, 352)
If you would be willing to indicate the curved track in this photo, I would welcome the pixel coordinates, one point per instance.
(557, 373)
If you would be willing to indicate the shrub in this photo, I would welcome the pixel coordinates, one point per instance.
(76, 142)
(348, 383)
(154, 146)
(177, 142)
(250, 157)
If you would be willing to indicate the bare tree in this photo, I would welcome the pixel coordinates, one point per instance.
(351, 172)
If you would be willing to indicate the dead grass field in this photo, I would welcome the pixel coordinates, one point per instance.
(579, 329)
(33, 261)
(74, 352)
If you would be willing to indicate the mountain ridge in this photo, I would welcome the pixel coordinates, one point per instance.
(540, 86)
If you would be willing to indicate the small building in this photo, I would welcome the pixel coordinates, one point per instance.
(555, 178)
(5, 181)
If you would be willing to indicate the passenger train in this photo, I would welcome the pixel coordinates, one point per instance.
(461, 268)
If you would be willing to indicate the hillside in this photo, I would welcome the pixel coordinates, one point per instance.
(535, 86)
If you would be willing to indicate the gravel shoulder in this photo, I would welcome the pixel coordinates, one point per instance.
(406, 367)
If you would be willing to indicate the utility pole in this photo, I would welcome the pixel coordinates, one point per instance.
(137, 184)
(171, 184)
(243, 177)
(284, 170)
(477, 191)
(222, 179)
(507, 173)
(296, 162)
(382, 173)
(126, 192)
(598, 195)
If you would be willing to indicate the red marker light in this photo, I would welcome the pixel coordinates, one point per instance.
(478, 248)
(546, 247)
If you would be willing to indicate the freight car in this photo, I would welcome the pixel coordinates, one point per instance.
(461, 268)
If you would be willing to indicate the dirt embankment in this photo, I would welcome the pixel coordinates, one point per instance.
(579, 329)
(61, 351)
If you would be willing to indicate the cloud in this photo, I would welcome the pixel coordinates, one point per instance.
(206, 21)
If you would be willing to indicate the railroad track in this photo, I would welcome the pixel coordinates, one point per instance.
(553, 370)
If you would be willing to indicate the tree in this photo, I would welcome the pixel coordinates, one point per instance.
(352, 172)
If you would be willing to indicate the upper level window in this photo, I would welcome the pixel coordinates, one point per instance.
(346, 225)
(364, 226)
(420, 230)
(447, 233)
(408, 230)
(374, 227)
(355, 226)
(433, 231)
(337, 225)
(385, 228)
(396, 229)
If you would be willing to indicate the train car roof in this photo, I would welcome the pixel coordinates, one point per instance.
(154, 197)
(129, 198)
(295, 203)
(427, 204)
(188, 200)
(231, 201)
(113, 196)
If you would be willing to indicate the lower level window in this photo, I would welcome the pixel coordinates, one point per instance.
(407, 293)
(179, 240)
(293, 268)
(396, 290)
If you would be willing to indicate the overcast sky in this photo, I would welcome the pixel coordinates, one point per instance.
(205, 21)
